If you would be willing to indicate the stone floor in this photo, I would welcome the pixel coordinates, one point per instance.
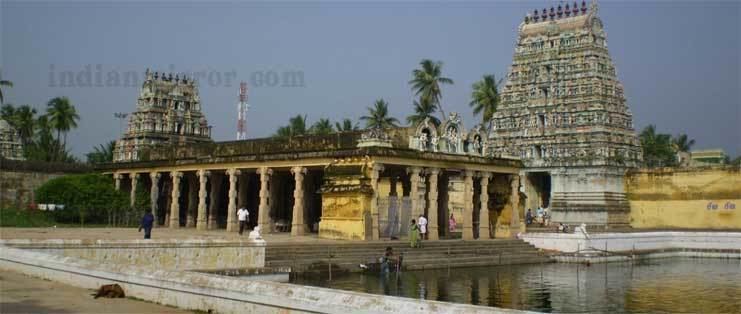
(23, 294)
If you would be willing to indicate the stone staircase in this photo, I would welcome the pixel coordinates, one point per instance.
(346, 257)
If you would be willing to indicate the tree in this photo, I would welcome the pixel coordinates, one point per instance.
(682, 143)
(485, 97)
(7, 112)
(658, 150)
(426, 83)
(321, 127)
(378, 116)
(87, 197)
(296, 126)
(346, 126)
(4, 83)
(101, 154)
(62, 116)
(25, 123)
(422, 111)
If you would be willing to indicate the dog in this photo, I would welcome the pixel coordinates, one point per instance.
(110, 291)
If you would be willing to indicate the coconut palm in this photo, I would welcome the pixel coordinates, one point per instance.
(25, 122)
(4, 83)
(62, 117)
(485, 97)
(426, 83)
(101, 154)
(322, 127)
(7, 112)
(297, 125)
(422, 111)
(346, 126)
(682, 143)
(378, 116)
(657, 148)
(284, 131)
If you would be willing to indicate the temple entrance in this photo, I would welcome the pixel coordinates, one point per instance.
(539, 194)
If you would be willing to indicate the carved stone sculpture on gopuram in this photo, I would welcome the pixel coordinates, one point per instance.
(168, 111)
(563, 112)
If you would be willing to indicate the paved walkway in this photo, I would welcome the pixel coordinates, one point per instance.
(23, 294)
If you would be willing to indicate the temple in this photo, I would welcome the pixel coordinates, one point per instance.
(168, 110)
(563, 113)
(351, 185)
(10, 142)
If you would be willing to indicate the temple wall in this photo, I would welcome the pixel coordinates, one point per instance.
(685, 198)
(343, 215)
(591, 195)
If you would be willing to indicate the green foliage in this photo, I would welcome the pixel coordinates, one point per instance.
(682, 143)
(87, 198)
(485, 97)
(346, 126)
(321, 127)
(36, 134)
(4, 83)
(422, 111)
(62, 117)
(25, 218)
(426, 83)
(143, 201)
(658, 149)
(378, 116)
(296, 126)
(101, 154)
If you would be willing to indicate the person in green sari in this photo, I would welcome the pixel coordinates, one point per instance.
(414, 234)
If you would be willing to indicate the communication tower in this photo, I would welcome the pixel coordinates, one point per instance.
(242, 108)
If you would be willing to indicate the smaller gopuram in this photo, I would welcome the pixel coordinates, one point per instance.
(564, 114)
(168, 111)
(10, 142)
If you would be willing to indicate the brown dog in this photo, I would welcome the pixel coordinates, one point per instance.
(110, 291)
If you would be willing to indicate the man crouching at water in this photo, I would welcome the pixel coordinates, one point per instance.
(147, 222)
(387, 260)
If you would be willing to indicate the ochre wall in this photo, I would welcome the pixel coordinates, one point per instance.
(343, 215)
(17, 187)
(685, 198)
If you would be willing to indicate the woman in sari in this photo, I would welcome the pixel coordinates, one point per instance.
(451, 224)
(414, 234)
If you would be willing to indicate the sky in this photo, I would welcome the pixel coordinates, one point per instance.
(678, 60)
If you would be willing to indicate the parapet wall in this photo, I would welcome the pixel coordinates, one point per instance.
(214, 293)
(705, 198)
(155, 254)
(20, 178)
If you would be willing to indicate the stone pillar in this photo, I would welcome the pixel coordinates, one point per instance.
(484, 223)
(190, 220)
(468, 205)
(117, 181)
(231, 215)
(375, 173)
(414, 192)
(175, 200)
(154, 194)
(213, 208)
(202, 220)
(134, 180)
(263, 215)
(432, 225)
(515, 203)
(298, 226)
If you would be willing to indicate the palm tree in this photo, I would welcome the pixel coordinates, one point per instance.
(682, 143)
(426, 82)
(4, 83)
(25, 122)
(346, 126)
(7, 112)
(284, 131)
(422, 111)
(62, 117)
(378, 116)
(297, 125)
(485, 97)
(322, 127)
(657, 148)
(101, 154)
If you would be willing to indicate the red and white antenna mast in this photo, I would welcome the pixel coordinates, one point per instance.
(242, 108)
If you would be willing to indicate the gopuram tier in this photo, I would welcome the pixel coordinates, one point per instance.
(168, 111)
(563, 112)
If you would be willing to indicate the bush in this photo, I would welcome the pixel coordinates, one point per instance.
(25, 218)
(88, 198)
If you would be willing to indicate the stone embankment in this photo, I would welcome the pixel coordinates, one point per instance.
(433, 255)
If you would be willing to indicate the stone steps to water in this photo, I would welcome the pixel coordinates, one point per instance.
(316, 258)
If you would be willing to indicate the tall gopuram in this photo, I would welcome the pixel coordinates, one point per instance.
(564, 114)
(168, 111)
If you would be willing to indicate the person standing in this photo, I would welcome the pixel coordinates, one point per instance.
(423, 227)
(452, 223)
(146, 224)
(242, 214)
(414, 234)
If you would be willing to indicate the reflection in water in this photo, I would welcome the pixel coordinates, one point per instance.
(672, 285)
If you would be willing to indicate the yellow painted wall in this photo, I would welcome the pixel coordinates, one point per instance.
(343, 215)
(685, 198)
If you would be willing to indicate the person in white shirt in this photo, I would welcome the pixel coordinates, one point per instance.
(422, 222)
(242, 214)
